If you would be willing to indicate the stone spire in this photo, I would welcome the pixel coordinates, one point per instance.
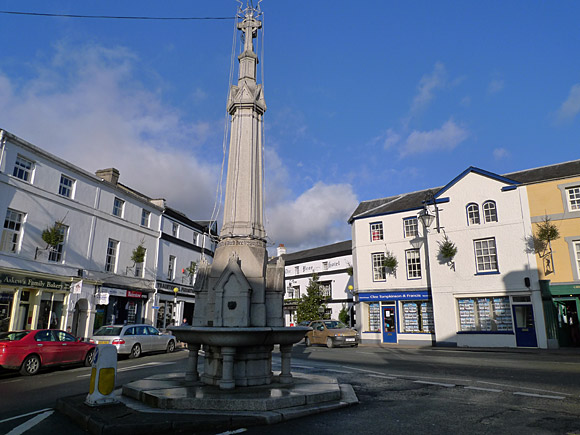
(243, 209)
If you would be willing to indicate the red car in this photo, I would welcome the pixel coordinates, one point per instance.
(27, 351)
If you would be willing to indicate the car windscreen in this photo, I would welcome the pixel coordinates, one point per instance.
(13, 336)
(335, 325)
(108, 331)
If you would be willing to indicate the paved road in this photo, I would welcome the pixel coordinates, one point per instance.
(400, 390)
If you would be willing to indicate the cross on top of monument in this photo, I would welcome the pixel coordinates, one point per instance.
(249, 24)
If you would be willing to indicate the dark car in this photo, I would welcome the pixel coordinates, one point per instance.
(332, 333)
(28, 351)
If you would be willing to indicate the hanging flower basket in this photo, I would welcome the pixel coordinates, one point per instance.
(390, 262)
(53, 236)
(138, 254)
(448, 250)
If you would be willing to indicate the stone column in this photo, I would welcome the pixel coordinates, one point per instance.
(191, 373)
(286, 357)
(227, 382)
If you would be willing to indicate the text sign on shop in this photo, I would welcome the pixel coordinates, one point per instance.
(133, 294)
(26, 281)
(392, 296)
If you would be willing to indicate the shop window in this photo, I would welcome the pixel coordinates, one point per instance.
(23, 169)
(577, 253)
(485, 314)
(50, 312)
(6, 299)
(11, 232)
(55, 252)
(374, 324)
(418, 317)
(485, 255)
(376, 231)
(411, 227)
(379, 273)
(413, 263)
(489, 211)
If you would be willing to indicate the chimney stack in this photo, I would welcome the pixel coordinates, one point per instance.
(281, 250)
(111, 175)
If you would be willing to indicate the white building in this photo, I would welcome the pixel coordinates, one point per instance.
(487, 295)
(333, 266)
(88, 279)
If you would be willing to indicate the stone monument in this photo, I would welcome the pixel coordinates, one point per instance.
(239, 297)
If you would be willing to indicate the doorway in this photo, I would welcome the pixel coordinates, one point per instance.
(389, 324)
(525, 326)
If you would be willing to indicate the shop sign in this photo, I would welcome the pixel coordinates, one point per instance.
(393, 296)
(133, 294)
(171, 286)
(102, 299)
(77, 287)
(114, 291)
(26, 281)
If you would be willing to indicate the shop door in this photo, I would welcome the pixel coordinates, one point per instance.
(389, 325)
(525, 326)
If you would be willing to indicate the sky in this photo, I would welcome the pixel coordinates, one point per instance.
(365, 99)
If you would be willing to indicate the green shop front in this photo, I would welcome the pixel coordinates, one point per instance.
(562, 308)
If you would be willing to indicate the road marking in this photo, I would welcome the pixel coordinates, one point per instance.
(366, 353)
(136, 367)
(19, 430)
(491, 390)
(431, 377)
(301, 367)
(543, 396)
(338, 371)
(363, 370)
(382, 376)
(440, 384)
(25, 415)
(523, 388)
(13, 380)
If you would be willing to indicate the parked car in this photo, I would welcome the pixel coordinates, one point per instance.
(133, 340)
(28, 351)
(332, 333)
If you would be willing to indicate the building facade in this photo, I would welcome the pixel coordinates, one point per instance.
(489, 293)
(91, 276)
(333, 266)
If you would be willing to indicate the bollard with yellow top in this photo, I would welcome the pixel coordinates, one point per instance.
(103, 375)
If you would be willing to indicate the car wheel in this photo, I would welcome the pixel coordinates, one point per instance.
(307, 342)
(329, 342)
(170, 346)
(135, 351)
(89, 358)
(30, 366)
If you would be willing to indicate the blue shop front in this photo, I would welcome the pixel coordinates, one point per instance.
(399, 317)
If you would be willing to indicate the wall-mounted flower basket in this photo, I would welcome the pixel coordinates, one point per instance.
(447, 251)
(390, 263)
(53, 236)
(138, 254)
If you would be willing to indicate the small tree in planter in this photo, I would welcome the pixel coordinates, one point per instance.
(542, 242)
(447, 251)
(390, 263)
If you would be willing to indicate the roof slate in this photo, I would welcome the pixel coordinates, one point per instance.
(328, 251)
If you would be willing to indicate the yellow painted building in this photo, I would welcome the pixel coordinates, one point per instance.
(554, 192)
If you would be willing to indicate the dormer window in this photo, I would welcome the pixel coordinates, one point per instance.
(489, 211)
(473, 214)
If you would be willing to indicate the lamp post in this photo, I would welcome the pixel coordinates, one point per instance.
(427, 219)
(175, 290)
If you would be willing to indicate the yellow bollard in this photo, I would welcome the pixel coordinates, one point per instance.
(103, 375)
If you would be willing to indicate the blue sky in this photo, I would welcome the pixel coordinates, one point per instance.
(365, 99)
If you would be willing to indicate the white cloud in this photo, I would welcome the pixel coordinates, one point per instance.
(500, 153)
(317, 217)
(427, 85)
(495, 86)
(391, 139)
(87, 107)
(445, 138)
(571, 107)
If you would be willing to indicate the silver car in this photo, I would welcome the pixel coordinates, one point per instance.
(133, 340)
